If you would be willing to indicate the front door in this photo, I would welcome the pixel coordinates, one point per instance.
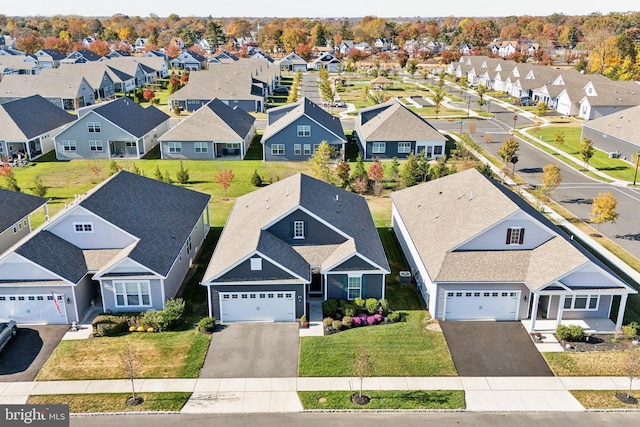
(315, 287)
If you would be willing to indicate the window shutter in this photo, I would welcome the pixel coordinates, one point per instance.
(345, 287)
(508, 236)
(521, 236)
(293, 229)
(363, 287)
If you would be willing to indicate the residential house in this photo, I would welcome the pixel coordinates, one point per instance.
(213, 131)
(27, 127)
(49, 58)
(188, 61)
(345, 47)
(392, 130)
(157, 64)
(615, 133)
(11, 52)
(124, 246)
(118, 53)
(294, 131)
(99, 77)
(328, 62)
(133, 67)
(301, 238)
(80, 57)
(87, 41)
(14, 64)
(293, 62)
(16, 209)
(466, 49)
(156, 54)
(478, 251)
(382, 44)
(115, 129)
(603, 98)
(140, 44)
(67, 92)
(508, 48)
(7, 42)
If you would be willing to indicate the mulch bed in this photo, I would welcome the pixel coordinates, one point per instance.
(597, 343)
(361, 399)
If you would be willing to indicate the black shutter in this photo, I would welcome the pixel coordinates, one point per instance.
(521, 236)
(508, 236)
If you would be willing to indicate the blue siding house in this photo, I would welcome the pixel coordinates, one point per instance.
(392, 130)
(295, 131)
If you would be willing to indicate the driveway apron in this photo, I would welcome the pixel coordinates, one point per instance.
(253, 350)
(23, 357)
(493, 349)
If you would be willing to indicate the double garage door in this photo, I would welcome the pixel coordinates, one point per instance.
(271, 306)
(482, 305)
(33, 309)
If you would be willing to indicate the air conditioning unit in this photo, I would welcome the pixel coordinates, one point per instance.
(614, 154)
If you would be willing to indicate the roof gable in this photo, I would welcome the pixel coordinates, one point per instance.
(14, 206)
(17, 118)
(131, 117)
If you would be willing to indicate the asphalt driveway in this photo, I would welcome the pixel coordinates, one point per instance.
(253, 350)
(23, 357)
(493, 349)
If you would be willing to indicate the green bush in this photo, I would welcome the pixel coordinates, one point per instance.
(337, 325)
(327, 321)
(359, 302)
(207, 324)
(349, 310)
(155, 320)
(107, 325)
(394, 316)
(631, 330)
(570, 333)
(372, 305)
(385, 306)
(329, 307)
(347, 321)
(172, 313)
(256, 179)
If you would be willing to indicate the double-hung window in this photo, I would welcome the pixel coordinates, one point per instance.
(354, 287)
(175, 147)
(307, 149)
(200, 147)
(95, 145)
(132, 294)
(297, 149)
(93, 127)
(404, 147)
(69, 146)
(304, 131)
(379, 147)
(277, 149)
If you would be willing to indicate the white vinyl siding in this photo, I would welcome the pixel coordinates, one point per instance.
(132, 294)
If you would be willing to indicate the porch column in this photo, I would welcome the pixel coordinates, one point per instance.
(621, 308)
(534, 311)
(560, 310)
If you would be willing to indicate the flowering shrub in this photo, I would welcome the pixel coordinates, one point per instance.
(377, 318)
(347, 321)
(356, 321)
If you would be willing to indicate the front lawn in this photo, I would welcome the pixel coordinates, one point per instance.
(589, 364)
(399, 349)
(113, 402)
(603, 399)
(415, 399)
(160, 355)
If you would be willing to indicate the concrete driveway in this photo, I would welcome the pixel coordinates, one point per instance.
(23, 357)
(493, 349)
(253, 350)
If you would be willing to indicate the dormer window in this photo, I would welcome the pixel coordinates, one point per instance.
(515, 236)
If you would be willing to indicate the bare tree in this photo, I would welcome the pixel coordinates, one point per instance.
(363, 365)
(131, 366)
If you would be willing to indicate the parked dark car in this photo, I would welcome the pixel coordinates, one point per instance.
(281, 90)
(525, 101)
(8, 330)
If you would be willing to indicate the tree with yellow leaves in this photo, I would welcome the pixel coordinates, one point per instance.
(604, 209)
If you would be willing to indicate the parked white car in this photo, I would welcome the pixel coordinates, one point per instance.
(8, 330)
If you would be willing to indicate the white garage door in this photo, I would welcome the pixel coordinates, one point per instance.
(482, 305)
(33, 309)
(273, 306)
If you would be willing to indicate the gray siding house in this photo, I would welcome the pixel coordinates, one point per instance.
(125, 246)
(392, 130)
(49, 58)
(478, 251)
(95, 73)
(15, 210)
(615, 132)
(66, 92)
(28, 125)
(214, 131)
(301, 238)
(116, 129)
(295, 131)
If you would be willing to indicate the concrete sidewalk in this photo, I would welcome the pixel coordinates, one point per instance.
(261, 395)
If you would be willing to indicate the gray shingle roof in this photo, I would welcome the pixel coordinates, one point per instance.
(161, 215)
(442, 214)
(18, 123)
(215, 121)
(392, 121)
(281, 117)
(348, 212)
(131, 117)
(14, 206)
(46, 85)
(621, 124)
(55, 254)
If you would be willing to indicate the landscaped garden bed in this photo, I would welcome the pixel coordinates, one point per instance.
(342, 315)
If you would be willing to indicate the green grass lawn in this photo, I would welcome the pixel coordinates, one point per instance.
(616, 168)
(113, 402)
(177, 354)
(592, 363)
(603, 399)
(415, 399)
